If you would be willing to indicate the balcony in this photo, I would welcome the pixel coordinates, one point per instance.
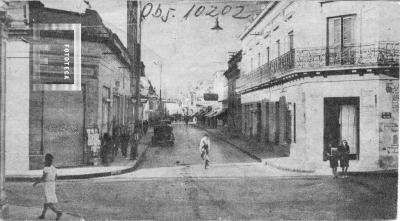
(382, 54)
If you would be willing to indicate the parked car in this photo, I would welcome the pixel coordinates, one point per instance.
(163, 134)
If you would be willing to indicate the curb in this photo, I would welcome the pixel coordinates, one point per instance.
(233, 144)
(289, 169)
(382, 173)
(385, 173)
(85, 176)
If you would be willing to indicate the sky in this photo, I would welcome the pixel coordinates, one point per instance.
(186, 48)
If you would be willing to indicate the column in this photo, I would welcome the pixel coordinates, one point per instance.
(263, 121)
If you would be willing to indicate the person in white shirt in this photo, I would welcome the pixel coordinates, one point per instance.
(205, 148)
(49, 179)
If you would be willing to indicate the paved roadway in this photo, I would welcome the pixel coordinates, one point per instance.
(186, 150)
(234, 187)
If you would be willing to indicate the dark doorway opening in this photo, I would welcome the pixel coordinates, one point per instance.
(341, 122)
(258, 120)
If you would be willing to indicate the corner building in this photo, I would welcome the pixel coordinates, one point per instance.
(49, 121)
(314, 73)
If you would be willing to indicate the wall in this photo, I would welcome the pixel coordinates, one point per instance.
(58, 119)
(17, 107)
(388, 103)
(375, 21)
(309, 94)
(112, 73)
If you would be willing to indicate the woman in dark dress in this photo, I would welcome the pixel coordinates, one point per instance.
(333, 159)
(344, 151)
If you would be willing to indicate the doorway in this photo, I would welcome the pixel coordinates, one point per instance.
(258, 121)
(341, 122)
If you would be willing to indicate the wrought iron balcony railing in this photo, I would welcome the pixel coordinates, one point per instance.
(371, 55)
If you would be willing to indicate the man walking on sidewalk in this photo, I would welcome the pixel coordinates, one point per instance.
(205, 149)
(135, 143)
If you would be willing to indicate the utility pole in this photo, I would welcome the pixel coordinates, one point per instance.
(160, 106)
(3, 38)
(160, 92)
(133, 45)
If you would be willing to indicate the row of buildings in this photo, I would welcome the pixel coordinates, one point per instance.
(64, 74)
(313, 73)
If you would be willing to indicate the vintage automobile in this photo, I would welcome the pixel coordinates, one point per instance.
(163, 134)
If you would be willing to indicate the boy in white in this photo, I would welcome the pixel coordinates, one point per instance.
(49, 180)
(205, 148)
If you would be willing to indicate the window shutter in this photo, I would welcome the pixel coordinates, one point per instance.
(334, 29)
(348, 30)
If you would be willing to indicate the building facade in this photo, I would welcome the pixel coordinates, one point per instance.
(48, 120)
(233, 101)
(315, 73)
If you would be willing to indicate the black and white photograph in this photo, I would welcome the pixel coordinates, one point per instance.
(199, 110)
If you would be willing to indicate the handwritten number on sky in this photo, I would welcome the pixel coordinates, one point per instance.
(194, 11)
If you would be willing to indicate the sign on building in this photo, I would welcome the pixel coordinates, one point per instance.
(210, 97)
(57, 63)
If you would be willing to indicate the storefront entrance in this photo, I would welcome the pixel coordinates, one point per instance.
(341, 122)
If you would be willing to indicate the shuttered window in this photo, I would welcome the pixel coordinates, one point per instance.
(341, 39)
(348, 30)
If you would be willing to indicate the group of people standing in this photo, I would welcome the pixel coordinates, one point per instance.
(121, 140)
(339, 154)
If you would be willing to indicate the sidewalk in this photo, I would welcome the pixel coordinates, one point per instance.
(31, 213)
(258, 151)
(119, 166)
(262, 153)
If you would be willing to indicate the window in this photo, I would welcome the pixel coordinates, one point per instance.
(106, 92)
(251, 64)
(259, 59)
(341, 39)
(291, 40)
(278, 48)
(267, 54)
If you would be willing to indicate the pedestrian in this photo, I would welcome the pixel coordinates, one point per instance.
(106, 151)
(333, 159)
(116, 141)
(124, 143)
(135, 143)
(186, 121)
(205, 148)
(49, 179)
(145, 126)
(344, 151)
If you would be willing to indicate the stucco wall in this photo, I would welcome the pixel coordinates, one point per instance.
(388, 104)
(110, 71)
(17, 107)
(308, 95)
(375, 21)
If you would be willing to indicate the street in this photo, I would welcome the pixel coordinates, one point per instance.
(234, 187)
(186, 150)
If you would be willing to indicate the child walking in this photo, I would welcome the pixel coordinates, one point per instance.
(49, 179)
